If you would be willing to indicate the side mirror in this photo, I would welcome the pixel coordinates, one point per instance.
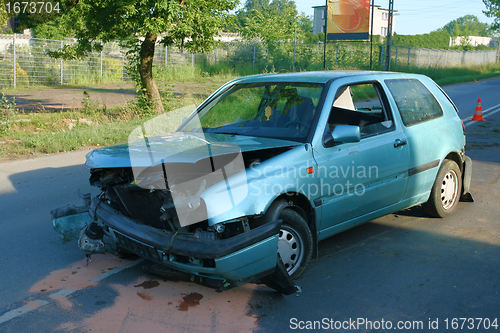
(345, 134)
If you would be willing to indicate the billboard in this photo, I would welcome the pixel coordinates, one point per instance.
(348, 19)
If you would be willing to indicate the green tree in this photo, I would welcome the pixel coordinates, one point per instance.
(493, 10)
(270, 21)
(3, 16)
(197, 20)
(139, 25)
(27, 20)
(468, 25)
(53, 29)
(305, 30)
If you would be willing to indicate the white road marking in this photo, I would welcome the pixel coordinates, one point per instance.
(38, 303)
(33, 305)
(62, 292)
(492, 112)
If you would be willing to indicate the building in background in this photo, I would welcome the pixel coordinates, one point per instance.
(380, 20)
(472, 41)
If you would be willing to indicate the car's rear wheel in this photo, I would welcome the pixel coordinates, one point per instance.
(445, 193)
(295, 244)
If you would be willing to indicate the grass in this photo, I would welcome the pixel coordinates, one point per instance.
(446, 76)
(52, 132)
(34, 133)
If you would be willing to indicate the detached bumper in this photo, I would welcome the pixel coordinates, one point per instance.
(238, 258)
(466, 179)
(467, 174)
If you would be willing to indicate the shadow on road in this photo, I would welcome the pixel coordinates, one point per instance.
(400, 267)
(31, 248)
(397, 273)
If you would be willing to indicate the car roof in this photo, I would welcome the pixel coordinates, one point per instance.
(316, 77)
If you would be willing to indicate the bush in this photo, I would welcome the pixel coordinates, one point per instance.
(7, 112)
(22, 77)
(433, 40)
(112, 68)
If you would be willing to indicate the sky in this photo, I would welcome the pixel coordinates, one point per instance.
(419, 16)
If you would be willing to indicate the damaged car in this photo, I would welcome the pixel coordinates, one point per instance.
(268, 166)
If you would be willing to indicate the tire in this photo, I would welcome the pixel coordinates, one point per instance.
(295, 243)
(445, 193)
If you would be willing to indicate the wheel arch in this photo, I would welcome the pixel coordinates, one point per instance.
(455, 156)
(301, 204)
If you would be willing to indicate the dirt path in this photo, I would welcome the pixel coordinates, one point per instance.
(109, 95)
(59, 98)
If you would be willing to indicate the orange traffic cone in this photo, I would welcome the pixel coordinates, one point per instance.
(478, 115)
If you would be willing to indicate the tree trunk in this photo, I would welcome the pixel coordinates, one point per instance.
(148, 84)
(498, 51)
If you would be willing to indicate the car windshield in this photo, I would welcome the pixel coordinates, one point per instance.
(272, 110)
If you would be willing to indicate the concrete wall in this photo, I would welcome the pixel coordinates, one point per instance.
(6, 41)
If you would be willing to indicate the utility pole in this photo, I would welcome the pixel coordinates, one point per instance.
(326, 33)
(389, 36)
(294, 44)
(371, 34)
(498, 49)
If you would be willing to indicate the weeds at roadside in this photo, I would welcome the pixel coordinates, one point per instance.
(7, 113)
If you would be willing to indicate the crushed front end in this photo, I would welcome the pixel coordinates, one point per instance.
(127, 217)
(152, 203)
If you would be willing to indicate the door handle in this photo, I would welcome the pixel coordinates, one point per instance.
(400, 143)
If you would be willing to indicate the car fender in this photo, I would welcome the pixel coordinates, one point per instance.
(252, 192)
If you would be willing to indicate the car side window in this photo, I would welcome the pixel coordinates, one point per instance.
(361, 105)
(415, 102)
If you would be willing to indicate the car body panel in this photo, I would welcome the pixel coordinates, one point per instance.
(178, 147)
(428, 148)
(404, 173)
(384, 182)
(240, 265)
(280, 172)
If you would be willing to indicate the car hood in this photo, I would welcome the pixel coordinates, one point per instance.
(178, 147)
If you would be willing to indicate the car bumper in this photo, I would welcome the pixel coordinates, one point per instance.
(239, 258)
(466, 179)
(467, 174)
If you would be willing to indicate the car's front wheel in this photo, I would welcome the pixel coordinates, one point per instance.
(295, 243)
(445, 193)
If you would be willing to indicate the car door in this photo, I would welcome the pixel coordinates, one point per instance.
(362, 177)
(422, 117)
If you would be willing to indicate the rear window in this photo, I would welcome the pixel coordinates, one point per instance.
(415, 102)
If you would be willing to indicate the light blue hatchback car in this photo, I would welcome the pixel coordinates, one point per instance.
(270, 165)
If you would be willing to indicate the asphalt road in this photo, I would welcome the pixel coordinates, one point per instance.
(404, 266)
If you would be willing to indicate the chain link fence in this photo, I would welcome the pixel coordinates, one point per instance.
(26, 61)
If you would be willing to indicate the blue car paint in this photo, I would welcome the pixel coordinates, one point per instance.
(394, 187)
(279, 171)
(239, 265)
(177, 147)
(427, 148)
(385, 188)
